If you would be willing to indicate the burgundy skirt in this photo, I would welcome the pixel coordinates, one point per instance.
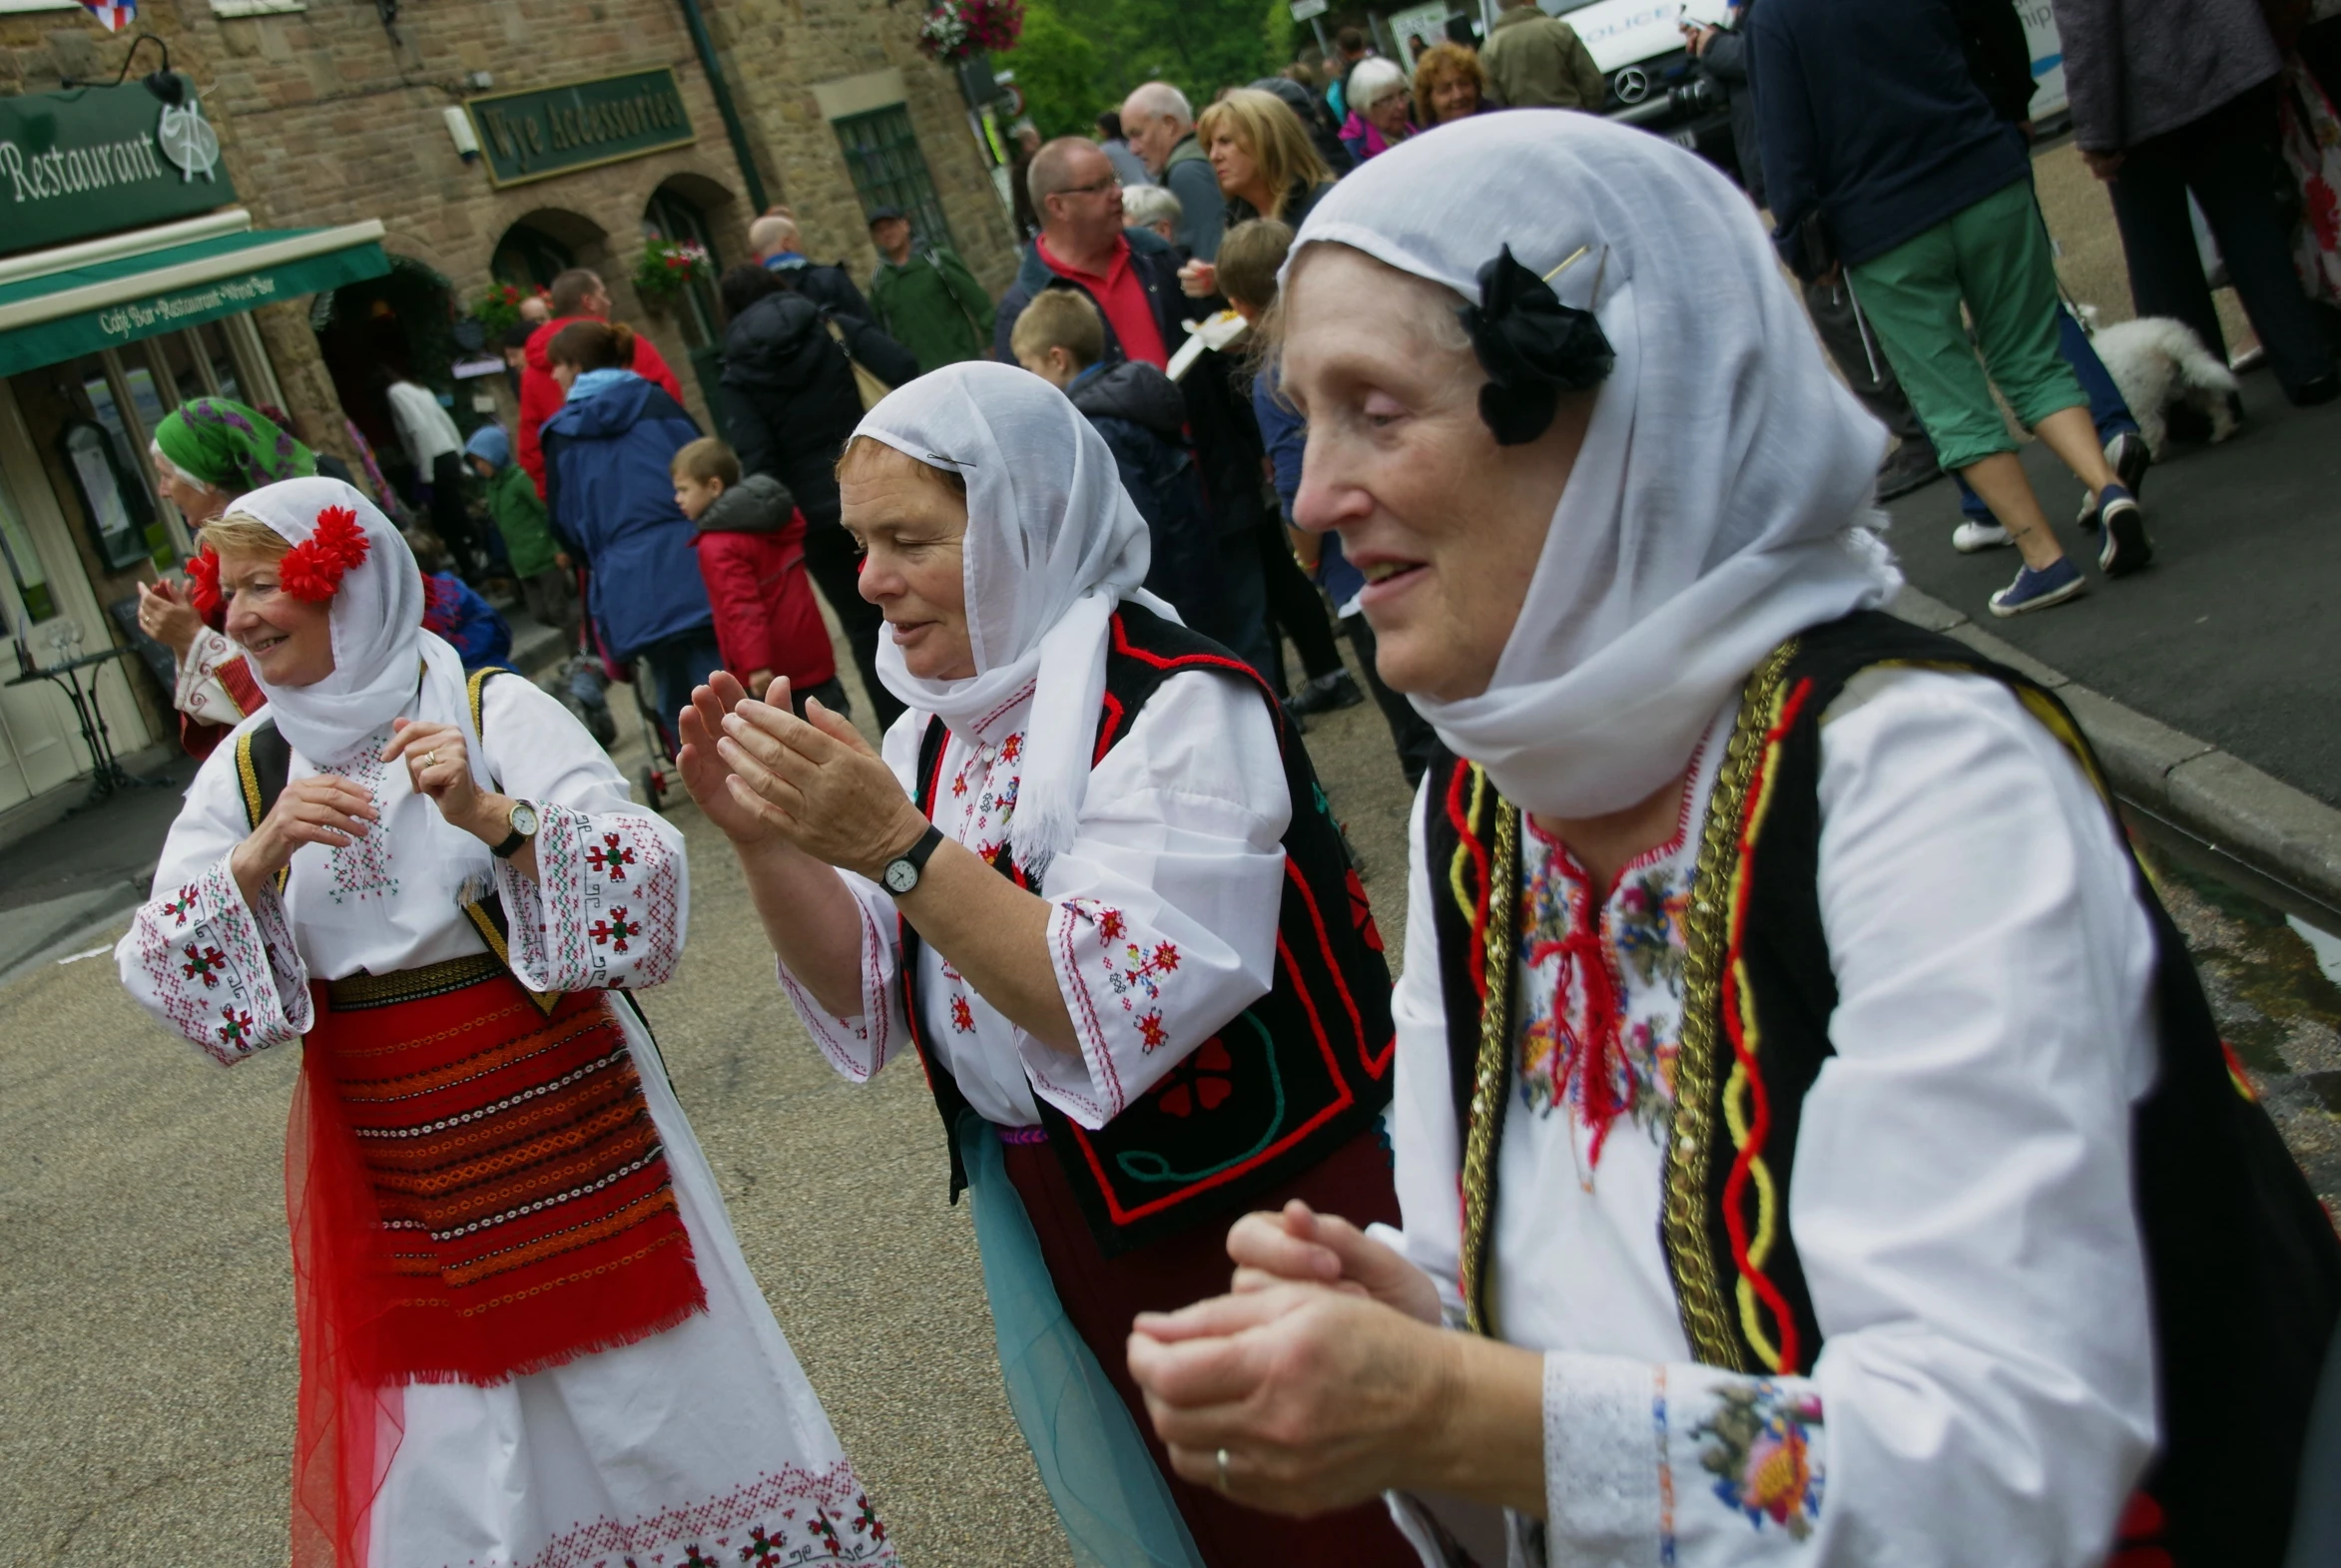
(1104, 1295)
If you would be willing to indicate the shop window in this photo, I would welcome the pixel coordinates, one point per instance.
(24, 568)
(121, 521)
(883, 154)
(672, 216)
(126, 429)
(211, 344)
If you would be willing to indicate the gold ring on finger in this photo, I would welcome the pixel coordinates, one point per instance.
(430, 759)
(1221, 1457)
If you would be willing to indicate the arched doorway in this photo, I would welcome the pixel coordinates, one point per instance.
(542, 245)
(398, 325)
(685, 208)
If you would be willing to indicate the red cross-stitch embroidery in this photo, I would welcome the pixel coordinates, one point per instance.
(182, 906)
(611, 854)
(204, 966)
(962, 1015)
(1151, 1030)
(870, 1523)
(1013, 748)
(613, 932)
(1110, 925)
(235, 1028)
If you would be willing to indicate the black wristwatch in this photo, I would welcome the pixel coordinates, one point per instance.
(522, 818)
(902, 872)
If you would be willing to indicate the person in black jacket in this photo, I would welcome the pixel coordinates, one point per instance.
(1060, 337)
(787, 402)
(774, 240)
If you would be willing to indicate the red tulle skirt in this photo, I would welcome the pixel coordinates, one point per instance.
(476, 1192)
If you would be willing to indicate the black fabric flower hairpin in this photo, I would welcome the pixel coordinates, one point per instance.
(1532, 348)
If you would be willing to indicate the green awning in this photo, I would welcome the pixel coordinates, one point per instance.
(103, 303)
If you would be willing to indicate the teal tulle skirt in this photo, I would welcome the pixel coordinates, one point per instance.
(1115, 1507)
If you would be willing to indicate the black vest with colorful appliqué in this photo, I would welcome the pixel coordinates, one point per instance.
(2244, 1269)
(1284, 1083)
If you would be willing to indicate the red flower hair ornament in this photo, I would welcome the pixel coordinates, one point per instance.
(311, 570)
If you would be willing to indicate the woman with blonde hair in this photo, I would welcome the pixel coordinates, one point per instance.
(1266, 165)
(1449, 83)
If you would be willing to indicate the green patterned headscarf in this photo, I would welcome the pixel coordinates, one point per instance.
(229, 447)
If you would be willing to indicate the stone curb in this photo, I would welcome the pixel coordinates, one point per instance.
(2292, 838)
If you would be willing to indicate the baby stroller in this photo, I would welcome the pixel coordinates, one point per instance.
(658, 775)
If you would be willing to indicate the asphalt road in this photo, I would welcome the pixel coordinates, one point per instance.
(2234, 635)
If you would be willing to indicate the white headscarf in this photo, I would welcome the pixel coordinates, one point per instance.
(1053, 544)
(379, 645)
(1724, 495)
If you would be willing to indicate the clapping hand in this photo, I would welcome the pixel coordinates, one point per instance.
(816, 782)
(1297, 1244)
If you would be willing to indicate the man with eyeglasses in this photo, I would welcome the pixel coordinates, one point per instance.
(1133, 275)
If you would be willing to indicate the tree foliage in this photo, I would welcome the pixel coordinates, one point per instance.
(1079, 56)
(1059, 72)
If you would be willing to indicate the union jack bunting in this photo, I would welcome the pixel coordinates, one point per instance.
(113, 15)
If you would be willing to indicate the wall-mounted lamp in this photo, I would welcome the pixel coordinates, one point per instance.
(165, 84)
(460, 133)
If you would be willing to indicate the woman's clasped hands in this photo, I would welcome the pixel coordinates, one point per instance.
(1324, 1378)
(764, 776)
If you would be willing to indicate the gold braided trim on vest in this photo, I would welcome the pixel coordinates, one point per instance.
(1491, 1067)
(1698, 1275)
(353, 993)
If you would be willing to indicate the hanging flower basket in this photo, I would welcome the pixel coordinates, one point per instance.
(667, 267)
(956, 29)
(499, 308)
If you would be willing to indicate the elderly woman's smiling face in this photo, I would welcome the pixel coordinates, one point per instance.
(913, 528)
(1446, 524)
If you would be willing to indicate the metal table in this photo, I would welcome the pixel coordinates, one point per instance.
(107, 774)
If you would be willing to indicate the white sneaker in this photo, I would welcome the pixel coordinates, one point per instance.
(1968, 538)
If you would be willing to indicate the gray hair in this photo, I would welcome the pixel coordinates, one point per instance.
(1144, 205)
(1371, 81)
(1153, 100)
(1048, 173)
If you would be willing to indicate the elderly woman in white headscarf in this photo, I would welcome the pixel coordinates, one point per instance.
(525, 1322)
(1805, 1116)
(1092, 882)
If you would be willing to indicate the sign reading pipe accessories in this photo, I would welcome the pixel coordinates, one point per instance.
(579, 125)
(92, 160)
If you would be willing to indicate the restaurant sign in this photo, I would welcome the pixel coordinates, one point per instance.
(581, 125)
(92, 160)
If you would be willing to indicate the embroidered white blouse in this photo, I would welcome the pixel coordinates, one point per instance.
(1163, 912)
(689, 1445)
(1962, 1198)
(608, 911)
(199, 693)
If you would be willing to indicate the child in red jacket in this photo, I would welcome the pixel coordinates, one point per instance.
(751, 543)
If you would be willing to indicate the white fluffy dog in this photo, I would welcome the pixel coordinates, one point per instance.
(2160, 363)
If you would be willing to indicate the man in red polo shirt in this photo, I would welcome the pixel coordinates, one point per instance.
(1083, 240)
(1133, 276)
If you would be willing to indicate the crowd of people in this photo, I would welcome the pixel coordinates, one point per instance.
(1796, 1133)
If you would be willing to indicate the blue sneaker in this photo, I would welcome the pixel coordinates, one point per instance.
(2038, 590)
(2131, 459)
(2127, 547)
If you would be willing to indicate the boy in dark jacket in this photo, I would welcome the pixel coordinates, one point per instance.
(1060, 337)
(750, 544)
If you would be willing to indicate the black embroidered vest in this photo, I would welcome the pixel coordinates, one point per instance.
(1298, 1072)
(2243, 1264)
